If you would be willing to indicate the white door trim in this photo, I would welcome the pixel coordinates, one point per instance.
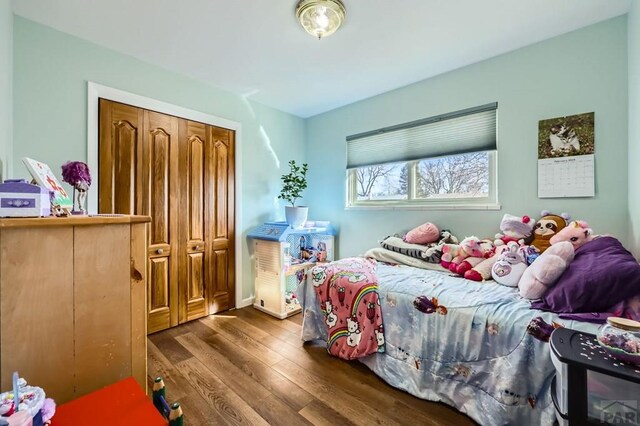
(96, 91)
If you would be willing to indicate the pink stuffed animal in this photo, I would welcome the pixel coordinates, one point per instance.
(545, 270)
(475, 251)
(514, 228)
(482, 271)
(424, 234)
(451, 252)
(577, 233)
(454, 254)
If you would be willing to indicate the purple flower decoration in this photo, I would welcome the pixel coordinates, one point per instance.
(76, 174)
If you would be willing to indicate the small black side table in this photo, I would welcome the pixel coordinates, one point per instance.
(581, 352)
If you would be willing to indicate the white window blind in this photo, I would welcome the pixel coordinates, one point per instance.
(469, 130)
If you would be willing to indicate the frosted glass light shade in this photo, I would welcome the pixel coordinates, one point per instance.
(320, 18)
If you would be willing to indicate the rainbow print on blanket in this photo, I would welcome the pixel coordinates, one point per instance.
(348, 293)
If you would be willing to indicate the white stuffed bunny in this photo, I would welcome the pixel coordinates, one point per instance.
(510, 265)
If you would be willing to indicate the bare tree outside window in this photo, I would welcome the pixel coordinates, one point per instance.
(380, 182)
(456, 176)
(464, 175)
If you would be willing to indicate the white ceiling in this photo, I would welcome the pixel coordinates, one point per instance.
(257, 49)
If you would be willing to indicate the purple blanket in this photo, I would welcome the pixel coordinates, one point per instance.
(603, 278)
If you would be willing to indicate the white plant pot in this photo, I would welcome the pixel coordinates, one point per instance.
(296, 216)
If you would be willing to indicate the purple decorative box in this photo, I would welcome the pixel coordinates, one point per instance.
(21, 199)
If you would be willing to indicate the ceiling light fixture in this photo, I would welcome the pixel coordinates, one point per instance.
(320, 18)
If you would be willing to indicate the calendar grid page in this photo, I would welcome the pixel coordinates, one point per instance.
(566, 177)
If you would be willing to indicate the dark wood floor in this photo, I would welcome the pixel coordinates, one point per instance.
(246, 367)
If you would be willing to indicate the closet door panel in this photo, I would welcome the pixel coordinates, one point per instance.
(118, 179)
(222, 299)
(159, 309)
(220, 214)
(193, 186)
(160, 201)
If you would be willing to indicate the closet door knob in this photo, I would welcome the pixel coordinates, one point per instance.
(159, 251)
(198, 247)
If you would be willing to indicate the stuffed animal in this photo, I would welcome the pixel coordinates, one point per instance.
(514, 228)
(433, 253)
(476, 251)
(482, 271)
(424, 234)
(577, 233)
(546, 227)
(454, 254)
(545, 271)
(510, 265)
(449, 253)
(530, 253)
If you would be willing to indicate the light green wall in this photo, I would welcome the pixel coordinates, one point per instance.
(582, 71)
(6, 85)
(634, 126)
(51, 70)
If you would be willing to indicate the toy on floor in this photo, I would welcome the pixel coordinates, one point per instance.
(546, 227)
(25, 405)
(174, 413)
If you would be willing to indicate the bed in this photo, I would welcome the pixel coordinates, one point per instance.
(475, 346)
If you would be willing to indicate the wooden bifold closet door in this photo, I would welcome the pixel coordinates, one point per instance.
(181, 173)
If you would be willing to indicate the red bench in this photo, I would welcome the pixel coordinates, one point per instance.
(123, 403)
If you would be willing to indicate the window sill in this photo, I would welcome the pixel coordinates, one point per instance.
(433, 206)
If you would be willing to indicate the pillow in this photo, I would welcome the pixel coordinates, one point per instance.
(424, 234)
(399, 246)
(601, 275)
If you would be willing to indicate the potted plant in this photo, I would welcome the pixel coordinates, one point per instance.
(293, 184)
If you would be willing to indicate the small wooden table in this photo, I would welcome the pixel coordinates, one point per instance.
(123, 403)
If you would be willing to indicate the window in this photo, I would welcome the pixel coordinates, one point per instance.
(444, 161)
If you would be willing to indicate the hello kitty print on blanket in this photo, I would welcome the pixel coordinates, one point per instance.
(348, 293)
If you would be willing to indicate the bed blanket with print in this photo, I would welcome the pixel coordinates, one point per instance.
(347, 291)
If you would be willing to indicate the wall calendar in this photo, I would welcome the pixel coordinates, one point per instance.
(566, 160)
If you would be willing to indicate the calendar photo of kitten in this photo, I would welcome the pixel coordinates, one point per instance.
(566, 136)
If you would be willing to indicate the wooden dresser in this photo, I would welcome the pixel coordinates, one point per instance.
(73, 302)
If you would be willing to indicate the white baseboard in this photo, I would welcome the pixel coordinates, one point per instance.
(246, 302)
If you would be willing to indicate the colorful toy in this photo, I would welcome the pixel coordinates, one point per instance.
(514, 228)
(530, 253)
(174, 413)
(28, 402)
(76, 174)
(426, 233)
(433, 253)
(471, 252)
(546, 227)
(510, 265)
(482, 271)
(21, 199)
(577, 233)
(545, 271)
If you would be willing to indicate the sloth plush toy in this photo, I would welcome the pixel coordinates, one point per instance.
(546, 227)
